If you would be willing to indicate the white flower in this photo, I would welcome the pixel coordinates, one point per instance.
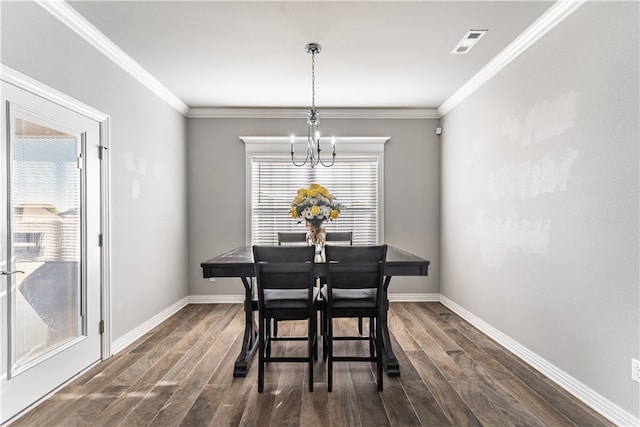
(306, 214)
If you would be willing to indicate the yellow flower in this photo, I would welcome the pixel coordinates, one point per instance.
(318, 187)
(335, 213)
(315, 210)
(294, 212)
(302, 192)
(298, 199)
(313, 192)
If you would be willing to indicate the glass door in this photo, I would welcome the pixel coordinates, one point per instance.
(50, 257)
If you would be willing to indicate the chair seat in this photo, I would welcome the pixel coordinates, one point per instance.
(287, 298)
(352, 298)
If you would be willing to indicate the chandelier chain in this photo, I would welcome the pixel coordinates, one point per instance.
(313, 80)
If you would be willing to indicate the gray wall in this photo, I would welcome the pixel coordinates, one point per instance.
(217, 190)
(540, 200)
(148, 154)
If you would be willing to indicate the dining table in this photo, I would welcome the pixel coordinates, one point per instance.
(239, 263)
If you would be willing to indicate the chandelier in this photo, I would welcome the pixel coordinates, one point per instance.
(313, 133)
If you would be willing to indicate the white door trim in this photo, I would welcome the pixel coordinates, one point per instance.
(24, 82)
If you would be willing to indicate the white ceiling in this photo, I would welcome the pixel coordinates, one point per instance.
(375, 54)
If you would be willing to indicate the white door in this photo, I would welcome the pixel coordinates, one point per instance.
(49, 247)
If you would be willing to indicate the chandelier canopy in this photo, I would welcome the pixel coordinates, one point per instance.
(313, 133)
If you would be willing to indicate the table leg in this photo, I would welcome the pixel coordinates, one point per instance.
(250, 339)
(388, 357)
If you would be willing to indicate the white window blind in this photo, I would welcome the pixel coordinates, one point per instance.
(354, 181)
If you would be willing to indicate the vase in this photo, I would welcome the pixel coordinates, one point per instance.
(316, 236)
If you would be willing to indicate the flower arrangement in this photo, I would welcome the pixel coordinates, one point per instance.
(315, 205)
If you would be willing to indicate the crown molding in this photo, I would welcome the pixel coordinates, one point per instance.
(16, 78)
(301, 113)
(552, 17)
(370, 140)
(344, 144)
(77, 23)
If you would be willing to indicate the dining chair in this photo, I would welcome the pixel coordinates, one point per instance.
(285, 280)
(343, 237)
(288, 238)
(292, 238)
(355, 277)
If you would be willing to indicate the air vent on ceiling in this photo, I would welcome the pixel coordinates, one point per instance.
(468, 41)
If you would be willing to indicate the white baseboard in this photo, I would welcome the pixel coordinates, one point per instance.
(216, 299)
(414, 297)
(597, 402)
(122, 343)
(239, 299)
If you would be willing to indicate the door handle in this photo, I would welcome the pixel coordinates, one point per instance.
(9, 273)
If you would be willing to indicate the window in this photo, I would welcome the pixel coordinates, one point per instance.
(355, 180)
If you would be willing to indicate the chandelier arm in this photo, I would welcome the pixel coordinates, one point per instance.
(333, 160)
(299, 164)
(293, 154)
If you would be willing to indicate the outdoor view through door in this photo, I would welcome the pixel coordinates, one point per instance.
(46, 240)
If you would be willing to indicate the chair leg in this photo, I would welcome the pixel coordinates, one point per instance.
(379, 353)
(372, 337)
(261, 350)
(315, 335)
(329, 333)
(267, 336)
(323, 334)
(312, 351)
(360, 325)
(275, 328)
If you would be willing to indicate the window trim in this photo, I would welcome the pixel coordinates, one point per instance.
(279, 146)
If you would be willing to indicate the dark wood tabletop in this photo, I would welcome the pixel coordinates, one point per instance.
(239, 263)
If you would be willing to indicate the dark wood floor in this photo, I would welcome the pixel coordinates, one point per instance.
(180, 374)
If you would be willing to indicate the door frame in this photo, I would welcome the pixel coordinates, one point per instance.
(26, 83)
